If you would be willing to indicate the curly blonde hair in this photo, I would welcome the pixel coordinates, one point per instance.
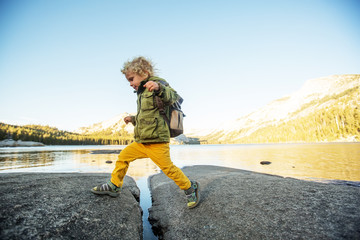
(139, 65)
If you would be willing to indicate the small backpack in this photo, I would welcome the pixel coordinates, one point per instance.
(175, 123)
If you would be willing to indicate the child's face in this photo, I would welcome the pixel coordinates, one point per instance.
(135, 79)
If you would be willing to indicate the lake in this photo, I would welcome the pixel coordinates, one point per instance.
(325, 162)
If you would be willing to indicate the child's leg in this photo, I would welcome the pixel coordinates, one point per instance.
(160, 155)
(127, 155)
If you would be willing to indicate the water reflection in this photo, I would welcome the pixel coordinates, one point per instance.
(99, 163)
(304, 161)
(26, 160)
(65, 160)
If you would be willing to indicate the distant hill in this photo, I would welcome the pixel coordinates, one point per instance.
(53, 136)
(116, 125)
(111, 126)
(45, 134)
(324, 110)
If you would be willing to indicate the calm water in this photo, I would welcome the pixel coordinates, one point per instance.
(334, 161)
(319, 162)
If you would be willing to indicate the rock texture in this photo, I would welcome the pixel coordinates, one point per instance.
(106, 151)
(19, 143)
(61, 206)
(182, 139)
(237, 204)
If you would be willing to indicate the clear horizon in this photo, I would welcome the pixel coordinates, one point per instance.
(60, 60)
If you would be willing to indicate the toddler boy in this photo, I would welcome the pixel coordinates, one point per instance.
(152, 135)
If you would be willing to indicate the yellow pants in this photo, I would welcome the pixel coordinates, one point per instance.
(159, 153)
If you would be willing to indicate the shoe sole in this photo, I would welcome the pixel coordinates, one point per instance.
(197, 192)
(111, 194)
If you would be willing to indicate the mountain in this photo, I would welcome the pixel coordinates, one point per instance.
(117, 125)
(112, 126)
(324, 109)
(27, 135)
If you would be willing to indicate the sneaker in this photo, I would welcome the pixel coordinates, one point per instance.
(107, 188)
(193, 194)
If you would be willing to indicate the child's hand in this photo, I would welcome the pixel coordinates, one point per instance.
(127, 119)
(152, 86)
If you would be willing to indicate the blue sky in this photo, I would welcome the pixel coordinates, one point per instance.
(60, 60)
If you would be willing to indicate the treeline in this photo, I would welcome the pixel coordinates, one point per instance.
(53, 136)
(328, 125)
(336, 122)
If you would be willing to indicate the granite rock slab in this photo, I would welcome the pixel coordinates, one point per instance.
(61, 206)
(238, 204)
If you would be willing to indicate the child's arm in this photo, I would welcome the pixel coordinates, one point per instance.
(152, 86)
(166, 93)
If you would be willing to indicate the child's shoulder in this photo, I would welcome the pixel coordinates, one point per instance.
(159, 79)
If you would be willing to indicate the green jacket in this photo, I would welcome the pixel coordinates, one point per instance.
(150, 126)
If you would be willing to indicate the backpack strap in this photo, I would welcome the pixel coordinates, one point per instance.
(161, 107)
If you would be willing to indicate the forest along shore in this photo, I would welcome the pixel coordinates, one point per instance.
(235, 204)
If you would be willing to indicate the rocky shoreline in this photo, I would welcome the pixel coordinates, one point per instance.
(235, 204)
(238, 204)
(19, 143)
